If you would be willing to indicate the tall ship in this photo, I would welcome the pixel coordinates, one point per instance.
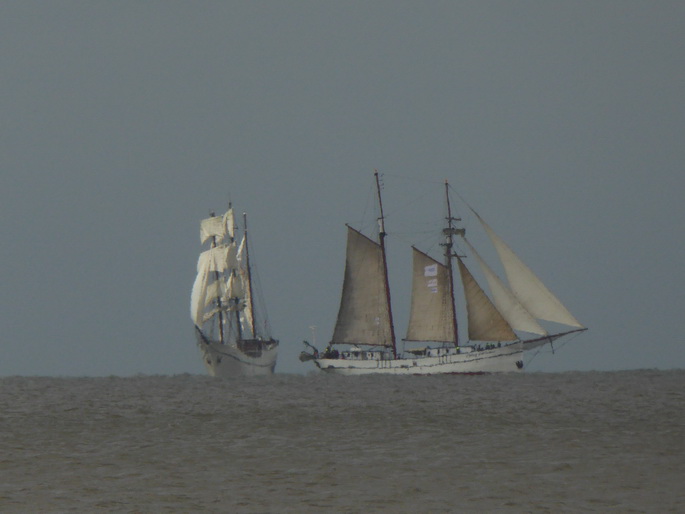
(231, 332)
(499, 327)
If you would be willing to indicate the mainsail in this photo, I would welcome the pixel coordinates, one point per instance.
(363, 317)
(431, 305)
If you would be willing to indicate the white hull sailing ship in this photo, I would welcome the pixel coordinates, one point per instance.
(364, 337)
(233, 341)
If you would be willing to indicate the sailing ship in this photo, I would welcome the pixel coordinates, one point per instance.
(364, 341)
(233, 339)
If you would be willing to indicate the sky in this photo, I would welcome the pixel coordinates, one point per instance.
(124, 123)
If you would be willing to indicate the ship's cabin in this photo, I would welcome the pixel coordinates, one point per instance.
(434, 352)
(357, 354)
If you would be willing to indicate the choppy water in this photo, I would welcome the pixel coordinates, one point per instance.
(570, 442)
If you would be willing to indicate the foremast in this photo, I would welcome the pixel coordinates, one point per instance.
(218, 294)
(381, 241)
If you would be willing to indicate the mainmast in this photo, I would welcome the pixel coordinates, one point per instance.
(448, 244)
(249, 280)
(381, 240)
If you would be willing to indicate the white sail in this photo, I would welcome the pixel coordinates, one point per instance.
(208, 286)
(528, 288)
(507, 304)
(199, 292)
(485, 323)
(241, 250)
(215, 289)
(201, 296)
(232, 259)
(363, 317)
(229, 223)
(212, 227)
(246, 315)
(431, 317)
(214, 259)
(217, 227)
(235, 293)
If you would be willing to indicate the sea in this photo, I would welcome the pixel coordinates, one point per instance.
(521, 442)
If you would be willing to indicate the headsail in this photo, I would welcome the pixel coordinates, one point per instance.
(363, 317)
(484, 320)
(528, 288)
(507, 304)
(431, 306)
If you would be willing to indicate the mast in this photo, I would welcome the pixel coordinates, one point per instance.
(381, 240)
(449, 232)
(218, 298)
(234, 274)
(249, 278)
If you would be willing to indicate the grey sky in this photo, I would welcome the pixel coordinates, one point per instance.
(124, 123)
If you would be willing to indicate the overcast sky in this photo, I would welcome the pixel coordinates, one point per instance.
(124, 123)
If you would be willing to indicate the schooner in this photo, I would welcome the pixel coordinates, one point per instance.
(233, 340)
(364, 340)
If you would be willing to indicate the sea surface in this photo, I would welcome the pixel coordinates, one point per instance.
(529, 442)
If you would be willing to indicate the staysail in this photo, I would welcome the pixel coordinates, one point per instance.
(526, 286)
(363, 317)
(507, 304)
(431, 313)
(484, 320)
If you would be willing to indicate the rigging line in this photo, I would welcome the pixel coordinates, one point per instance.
(363, 222)
(413, 179)
(559, 346)
(461, 197)
(407, 204)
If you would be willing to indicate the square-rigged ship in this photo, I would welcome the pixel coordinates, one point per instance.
(364, 337)
(233, 339)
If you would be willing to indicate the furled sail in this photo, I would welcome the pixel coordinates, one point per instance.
(507, 304)
(484, 320)
(528, 288)
(363, 317)
(431, 316)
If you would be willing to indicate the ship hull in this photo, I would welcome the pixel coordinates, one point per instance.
(496, 360)
(227, 360)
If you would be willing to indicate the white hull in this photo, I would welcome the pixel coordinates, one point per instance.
(496, 360)
(226, 360)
